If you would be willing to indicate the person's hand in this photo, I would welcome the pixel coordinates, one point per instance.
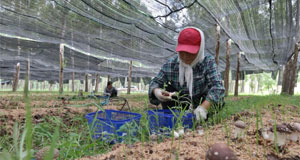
(200, 113)
(162, 95)
(107, 94)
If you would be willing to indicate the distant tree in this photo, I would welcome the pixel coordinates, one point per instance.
(259, 82)
(252, 82)
(267, 81)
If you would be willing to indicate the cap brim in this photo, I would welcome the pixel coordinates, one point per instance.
(187, 48)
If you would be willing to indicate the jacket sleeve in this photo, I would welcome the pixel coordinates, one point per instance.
(105, 90)
(216, 90)
(156, 82)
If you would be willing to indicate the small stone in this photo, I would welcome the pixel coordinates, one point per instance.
(44, 151)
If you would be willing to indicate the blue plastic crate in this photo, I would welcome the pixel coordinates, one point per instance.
(158, 119)
(109, 122)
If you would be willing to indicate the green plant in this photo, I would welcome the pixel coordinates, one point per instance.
(50, 154)
(129, 131)
(19, 152)
(227, 132)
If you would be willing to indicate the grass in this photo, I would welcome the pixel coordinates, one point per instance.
(71, 134)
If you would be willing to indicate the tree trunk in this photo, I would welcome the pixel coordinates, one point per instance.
(286, 80)
(61, 70)
(16, 80)
(226, 75)
(28, 72)
(236, 89)
(86, 83)
(97, 83)
(258, 81)
(50, 87)
(31, 85)
(73, 74)
(218, 44)
(73, 83)
(43, 85)
(129, 77)
(294, 71)
(243, 86)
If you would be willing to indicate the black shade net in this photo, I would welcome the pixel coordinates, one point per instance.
(101, 36)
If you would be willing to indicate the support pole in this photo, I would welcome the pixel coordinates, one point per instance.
(16, 79)
(108, 78)
(243, 86)
(28, 70)
(97, 83)
(73, 76)
(218, 44)
(236, 89)
(129, 77)
(86, 83)
(73, 82)
(43, 85)
(61, 70)
(294, 70)
(31, 85)
(50, 86)
(227, 68)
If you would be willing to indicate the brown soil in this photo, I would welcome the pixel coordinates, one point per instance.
(9, 116)
(12, 109)
(11, 103)
(193, 146)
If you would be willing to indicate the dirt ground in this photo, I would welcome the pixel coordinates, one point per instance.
(194, 147)
(12, 109)
(189, 147)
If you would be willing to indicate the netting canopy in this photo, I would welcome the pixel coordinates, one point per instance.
(101, 36)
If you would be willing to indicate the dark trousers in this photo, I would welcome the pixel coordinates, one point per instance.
(184, 101)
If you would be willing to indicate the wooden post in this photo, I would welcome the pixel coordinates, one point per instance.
(236, 89)
(31, 85)
(68, 86)
(129, 77)
(36, 85)
(73, 83)
(28, 70)
(16, 80)
(218, 44)
(50, 87)
(97, 83)
(294, 70)
(61, 70)
(73, 76)
(86, 83)
(227, 68)
(243, 86)
(43, 85)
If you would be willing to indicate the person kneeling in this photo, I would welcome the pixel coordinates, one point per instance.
(191, 73)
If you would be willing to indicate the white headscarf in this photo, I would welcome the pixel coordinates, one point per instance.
(186, 70)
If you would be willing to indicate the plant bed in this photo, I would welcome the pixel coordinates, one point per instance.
(193, 146)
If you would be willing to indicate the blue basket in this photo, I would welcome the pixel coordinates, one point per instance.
(158, 119)
(109, 122)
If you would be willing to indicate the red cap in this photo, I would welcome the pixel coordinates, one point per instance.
(189, 41)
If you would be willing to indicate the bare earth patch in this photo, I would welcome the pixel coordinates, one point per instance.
(13, 110)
